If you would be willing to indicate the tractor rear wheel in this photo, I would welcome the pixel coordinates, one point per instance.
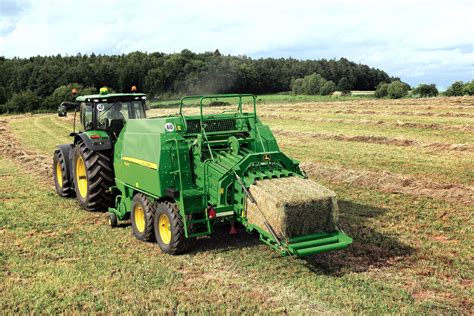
(93, 176)
(142, 214)
(62, 180)
(169, 229)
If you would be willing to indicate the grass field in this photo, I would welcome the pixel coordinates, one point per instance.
(404, 174)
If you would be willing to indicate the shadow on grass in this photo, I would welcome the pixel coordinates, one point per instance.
(370, 249)
(221, 240)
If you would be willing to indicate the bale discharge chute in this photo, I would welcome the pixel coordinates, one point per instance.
(191, 172)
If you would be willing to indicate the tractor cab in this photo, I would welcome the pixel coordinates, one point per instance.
(109, 112)
(106, 111)
(80, 167)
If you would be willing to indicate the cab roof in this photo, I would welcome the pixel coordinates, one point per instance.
(110, 96)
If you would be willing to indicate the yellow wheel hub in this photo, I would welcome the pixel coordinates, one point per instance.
(81, 177)
(59, 174)
(139, 218)
(164, 228)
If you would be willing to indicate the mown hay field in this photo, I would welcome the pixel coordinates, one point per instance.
(403, 172)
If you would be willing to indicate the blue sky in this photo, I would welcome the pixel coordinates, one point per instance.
(418, 41)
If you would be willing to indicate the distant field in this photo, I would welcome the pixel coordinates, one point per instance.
(404, 174)
(280, 98)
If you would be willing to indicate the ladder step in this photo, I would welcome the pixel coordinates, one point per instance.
(199, 234)
(197, 221)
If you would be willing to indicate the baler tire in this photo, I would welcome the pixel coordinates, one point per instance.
(99, 176)
(146, 233)
(178, 243)
(62, 180)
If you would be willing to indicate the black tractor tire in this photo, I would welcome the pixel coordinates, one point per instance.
(113, 220)
(92, 181)
(62, 180)
(167, 217)
(142, 215)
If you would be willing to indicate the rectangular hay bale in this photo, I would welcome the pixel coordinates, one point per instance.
(293, 207)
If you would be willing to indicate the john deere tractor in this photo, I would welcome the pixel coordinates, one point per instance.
(85, 168)
(176, 177)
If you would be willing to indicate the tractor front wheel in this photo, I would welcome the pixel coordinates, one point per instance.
(169, 229)
(93, 176)
(62, 180)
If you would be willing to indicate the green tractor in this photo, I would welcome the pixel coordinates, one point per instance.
(176, 177)
(85, 168)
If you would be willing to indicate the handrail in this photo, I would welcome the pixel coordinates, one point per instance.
(219, 96)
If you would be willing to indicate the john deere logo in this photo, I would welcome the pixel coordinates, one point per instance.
(266, 157)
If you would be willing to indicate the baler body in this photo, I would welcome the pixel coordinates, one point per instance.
(207, 162)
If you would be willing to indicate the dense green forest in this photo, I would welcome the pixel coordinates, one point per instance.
(34, 80)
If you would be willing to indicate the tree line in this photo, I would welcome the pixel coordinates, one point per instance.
(315, 84)
(28, 84)
(397, 89)
(459, 88)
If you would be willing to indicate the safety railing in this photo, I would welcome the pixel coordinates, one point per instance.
(201, 98)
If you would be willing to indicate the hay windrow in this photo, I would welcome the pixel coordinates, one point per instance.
(448, 103)
(29, 160)
(406, 113)
(398, 123)
(394, 183)
(293, 206)
(372, 139)
(386, 113)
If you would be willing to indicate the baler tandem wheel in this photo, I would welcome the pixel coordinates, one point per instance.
(169, 229)
(142, 214)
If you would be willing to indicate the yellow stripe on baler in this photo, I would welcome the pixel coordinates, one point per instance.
(140, 162)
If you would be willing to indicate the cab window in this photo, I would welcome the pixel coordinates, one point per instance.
(137, 110)
(86, 116)
(107, 112)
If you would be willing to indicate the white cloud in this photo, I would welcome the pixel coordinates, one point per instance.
(422, 40)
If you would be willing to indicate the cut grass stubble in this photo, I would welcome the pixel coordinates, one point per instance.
(411, 253)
